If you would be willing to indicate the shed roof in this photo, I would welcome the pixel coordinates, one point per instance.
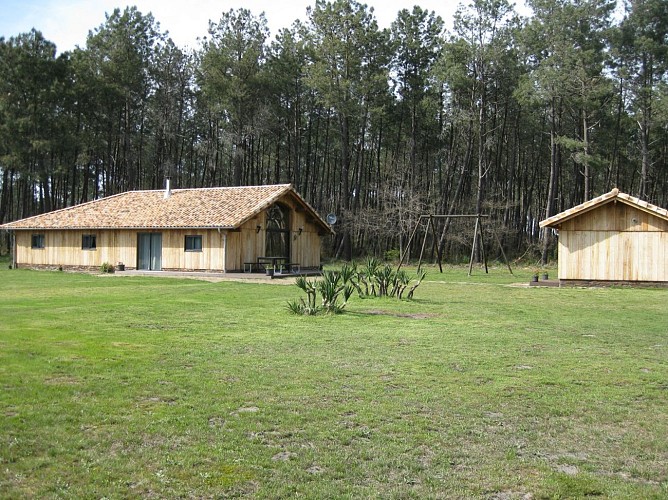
(614, 195)
(207, 208)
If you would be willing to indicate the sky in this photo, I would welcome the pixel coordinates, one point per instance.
(67, 22)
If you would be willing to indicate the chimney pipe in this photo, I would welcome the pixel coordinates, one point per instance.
(168, 188)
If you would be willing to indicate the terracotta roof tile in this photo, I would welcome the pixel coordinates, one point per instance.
(225, 207)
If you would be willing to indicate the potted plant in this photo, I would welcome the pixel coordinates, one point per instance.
(545, 275)
(534, 278)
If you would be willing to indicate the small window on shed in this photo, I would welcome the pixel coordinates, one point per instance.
(88, 242)
(193, 243)
(37, 241)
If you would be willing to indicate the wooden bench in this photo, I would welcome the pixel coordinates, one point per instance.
(249, 266)
(288, 266)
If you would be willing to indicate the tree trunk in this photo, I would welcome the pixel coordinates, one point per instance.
(552, 186)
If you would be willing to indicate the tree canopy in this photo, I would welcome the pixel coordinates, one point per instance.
(515, 117)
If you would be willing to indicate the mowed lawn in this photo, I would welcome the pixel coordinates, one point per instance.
(117, 387)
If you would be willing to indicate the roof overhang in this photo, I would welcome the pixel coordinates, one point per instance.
(301, 201)
(613, 196)
(115, 228)
(45, 222)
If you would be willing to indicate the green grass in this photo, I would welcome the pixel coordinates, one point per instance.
(136, 387)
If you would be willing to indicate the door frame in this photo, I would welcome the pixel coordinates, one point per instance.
(153, 250)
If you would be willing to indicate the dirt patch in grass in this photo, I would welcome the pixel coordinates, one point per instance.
(400, 315)
(283, 456)
(158, 399)
(216, 422)
(245, 409)
(61, 380)
(11, 412)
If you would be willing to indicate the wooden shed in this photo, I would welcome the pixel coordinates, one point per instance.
(615, 238)
(223, 229)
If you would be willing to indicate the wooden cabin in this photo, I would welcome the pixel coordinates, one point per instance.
(225, 229)
(615, 238)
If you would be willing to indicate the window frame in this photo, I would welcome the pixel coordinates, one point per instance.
(37, 241)
(92, 242)
(193, 238)
(278, 220)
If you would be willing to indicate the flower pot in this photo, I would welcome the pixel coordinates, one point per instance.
(270, 272)
(534, 278)
(545, 276)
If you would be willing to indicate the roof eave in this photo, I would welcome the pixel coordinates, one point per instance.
(115, 228)
(289, 189)
(577, 210)
(612, 196)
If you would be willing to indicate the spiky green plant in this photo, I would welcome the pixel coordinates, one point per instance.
(348, 272)
(330, 287)
(399, 283)
(369, 273)
(309, 287)
(420, 277)
(336, 285)
(384, 277)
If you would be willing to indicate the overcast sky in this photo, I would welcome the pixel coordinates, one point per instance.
(67, 22)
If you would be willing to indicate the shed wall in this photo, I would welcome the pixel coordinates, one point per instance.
(615, 242)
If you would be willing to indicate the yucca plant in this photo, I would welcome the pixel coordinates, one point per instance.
(368, 276)
(301, 308)
(350, 277)
(384, 278)
(336, 285)
(330, 287)
(309, 287)
(399, 283)
(420, 277)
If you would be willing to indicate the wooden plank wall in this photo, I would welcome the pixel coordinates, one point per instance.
(615, 242)
(248, 244)
(221, 250)
(63, 248)
(175, 257)
(305, 248)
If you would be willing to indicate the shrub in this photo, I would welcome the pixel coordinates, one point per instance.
(375, 280)
(392, 255)
(107, 268)
(331, 287)
(372, 280)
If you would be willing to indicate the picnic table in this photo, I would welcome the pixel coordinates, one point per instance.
(273, 263)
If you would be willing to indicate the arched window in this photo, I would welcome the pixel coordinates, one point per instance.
(278, 231)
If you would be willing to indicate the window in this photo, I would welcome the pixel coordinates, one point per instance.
(278, 231)
(193, 243)
(37, 241)
(88, 242)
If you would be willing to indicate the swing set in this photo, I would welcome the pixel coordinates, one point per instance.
(477, 237)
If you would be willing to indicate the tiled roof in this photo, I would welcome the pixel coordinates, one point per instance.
(602, 200)
(224, 207)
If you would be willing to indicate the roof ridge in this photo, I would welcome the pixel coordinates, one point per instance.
(225, 206)
(228, 187)
(601, 200)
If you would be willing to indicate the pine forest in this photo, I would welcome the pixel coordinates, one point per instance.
(515, 117)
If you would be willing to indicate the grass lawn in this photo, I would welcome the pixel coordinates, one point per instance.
(154, 387)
